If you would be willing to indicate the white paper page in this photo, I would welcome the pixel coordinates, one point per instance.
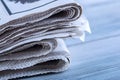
(9, 9)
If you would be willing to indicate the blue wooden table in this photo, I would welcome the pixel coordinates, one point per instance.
(98, 58)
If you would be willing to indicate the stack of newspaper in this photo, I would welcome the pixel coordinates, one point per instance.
(32, 35)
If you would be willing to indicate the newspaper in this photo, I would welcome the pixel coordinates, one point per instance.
(32, 33)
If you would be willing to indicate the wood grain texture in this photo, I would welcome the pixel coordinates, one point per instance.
(99, 57)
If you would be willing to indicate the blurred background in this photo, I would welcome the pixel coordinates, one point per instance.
(98, 58)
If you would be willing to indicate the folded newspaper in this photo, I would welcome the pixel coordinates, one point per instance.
(32, 35)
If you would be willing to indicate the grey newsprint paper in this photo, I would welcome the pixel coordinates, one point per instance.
(32, 35)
